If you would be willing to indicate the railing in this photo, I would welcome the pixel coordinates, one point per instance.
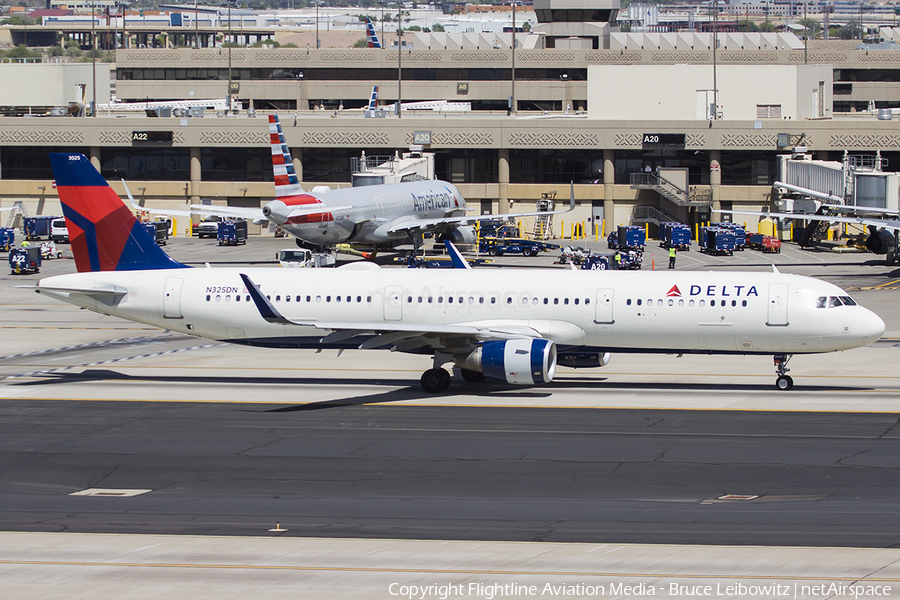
(362, 165)
(650, 214)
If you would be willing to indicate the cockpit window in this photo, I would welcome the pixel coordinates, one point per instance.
(834, 301)
(820, 303)
(848, 301)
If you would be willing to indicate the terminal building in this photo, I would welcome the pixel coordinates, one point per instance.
(605, 110)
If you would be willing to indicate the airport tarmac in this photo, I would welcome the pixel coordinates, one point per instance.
(230, 439)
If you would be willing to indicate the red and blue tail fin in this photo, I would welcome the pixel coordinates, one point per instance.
(105, 235)
(373, 98)
(371, 36)
(286, 181)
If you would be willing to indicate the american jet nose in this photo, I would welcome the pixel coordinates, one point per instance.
(872, 327)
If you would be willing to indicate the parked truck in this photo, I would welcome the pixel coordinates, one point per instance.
(765, 243)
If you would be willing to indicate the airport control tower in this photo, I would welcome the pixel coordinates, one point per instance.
(576, 24)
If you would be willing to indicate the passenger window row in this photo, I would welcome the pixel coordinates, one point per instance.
(680, 302)
(409, 299)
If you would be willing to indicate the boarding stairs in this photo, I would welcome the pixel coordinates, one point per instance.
(694, 196)
(651, 214)
(543, 224)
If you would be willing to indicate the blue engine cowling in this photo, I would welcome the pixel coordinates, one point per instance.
(519, 362)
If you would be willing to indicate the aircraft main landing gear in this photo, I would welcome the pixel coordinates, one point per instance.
(435, 380)
(784, 381)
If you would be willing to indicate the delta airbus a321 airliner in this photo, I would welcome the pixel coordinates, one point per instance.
(513, 326)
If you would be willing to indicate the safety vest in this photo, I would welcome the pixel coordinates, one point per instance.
(671, 252)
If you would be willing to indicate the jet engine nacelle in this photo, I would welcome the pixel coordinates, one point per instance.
(520, 362)
(463, 238)
(880, 242)
(583, 360)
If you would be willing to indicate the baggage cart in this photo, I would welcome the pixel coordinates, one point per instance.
(25, 260)
(36, 228)
(232, 233)
(7, 238)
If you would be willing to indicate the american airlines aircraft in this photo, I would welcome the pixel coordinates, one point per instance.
(514, 326)
(386, 215)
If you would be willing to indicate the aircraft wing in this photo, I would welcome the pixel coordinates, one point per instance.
(867, 221)
(408, 224)
(391, 333)
(253, 214)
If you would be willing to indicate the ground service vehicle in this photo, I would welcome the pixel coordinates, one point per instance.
(25, 260)
(59, 231)
(49, 250)
(232, 233)
(627, 237)
(766, 243)
(675, 235)
(208, 227)
(500, 246)
(7, 238)
(38, 227)
(294, 257)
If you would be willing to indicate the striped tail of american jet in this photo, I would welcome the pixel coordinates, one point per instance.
(371, 36)
(373, 98)
(104, 233)
(286, 181)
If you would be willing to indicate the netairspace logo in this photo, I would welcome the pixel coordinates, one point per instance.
(490, 591)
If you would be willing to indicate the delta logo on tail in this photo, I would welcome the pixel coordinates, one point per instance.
(104, 234)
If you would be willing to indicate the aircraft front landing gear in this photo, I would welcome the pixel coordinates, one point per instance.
(435, 381)
(784, 381)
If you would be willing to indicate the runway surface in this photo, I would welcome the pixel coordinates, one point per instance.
(221, 440)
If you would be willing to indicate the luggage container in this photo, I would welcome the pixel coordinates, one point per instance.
(716, 240)
(25, 260)
(232, 233)
(740, 234)
(159, 231)
(627, 237)
(37, 227)
(7, 238)
(675, 235)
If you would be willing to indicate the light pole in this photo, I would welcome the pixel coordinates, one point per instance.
(715, 44)
(512, 99)
(93, 64)
(399, 110)
(230, 2)
(317, 24)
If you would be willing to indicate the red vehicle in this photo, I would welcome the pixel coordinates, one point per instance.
(766, 243)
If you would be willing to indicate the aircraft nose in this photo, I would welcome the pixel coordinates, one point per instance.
(872, 327)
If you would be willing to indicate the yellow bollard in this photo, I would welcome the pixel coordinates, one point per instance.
(603, 225)
(792, 231)
(562, 230)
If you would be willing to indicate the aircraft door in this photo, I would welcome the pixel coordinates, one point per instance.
(778, 305)
(603, 309)
(393, 303)
(172, 298)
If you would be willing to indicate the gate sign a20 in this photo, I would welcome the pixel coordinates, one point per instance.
(651, 140)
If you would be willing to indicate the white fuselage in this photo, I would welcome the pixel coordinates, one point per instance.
(749, 313)
(368, 214)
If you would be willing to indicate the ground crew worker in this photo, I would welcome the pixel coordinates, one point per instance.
(25, 243)
(672, 257)
(618, 260)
